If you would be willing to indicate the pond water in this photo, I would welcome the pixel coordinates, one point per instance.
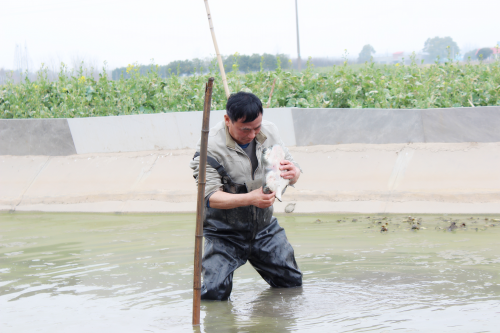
(133, 273)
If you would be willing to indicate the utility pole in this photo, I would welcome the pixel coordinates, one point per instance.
(298, 42)
(26, 57)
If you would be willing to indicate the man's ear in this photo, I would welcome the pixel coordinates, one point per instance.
(226, 119)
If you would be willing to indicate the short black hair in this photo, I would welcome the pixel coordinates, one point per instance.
(243, 105)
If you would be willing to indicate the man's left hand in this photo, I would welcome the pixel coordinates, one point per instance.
(289, 171)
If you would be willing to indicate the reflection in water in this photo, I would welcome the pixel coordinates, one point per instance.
(220, 316)
(102, 272)
(269, 310)
(279, 305)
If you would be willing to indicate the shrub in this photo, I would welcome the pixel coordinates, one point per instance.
(346, 86)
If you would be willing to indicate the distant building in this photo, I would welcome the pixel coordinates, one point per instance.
(397, 56)
(388, 59)
(383, 60)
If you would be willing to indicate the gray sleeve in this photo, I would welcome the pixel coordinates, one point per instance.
(214, 182)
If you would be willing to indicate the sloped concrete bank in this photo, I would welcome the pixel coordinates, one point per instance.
(428, 178)
(373, 161)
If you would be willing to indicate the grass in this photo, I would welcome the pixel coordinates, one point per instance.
(398, 86)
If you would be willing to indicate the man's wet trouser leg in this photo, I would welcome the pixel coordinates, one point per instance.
(273, 257)
(269, 252)
(221, 258)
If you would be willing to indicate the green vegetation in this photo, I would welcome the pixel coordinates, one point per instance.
(364, 86)
(245, 63)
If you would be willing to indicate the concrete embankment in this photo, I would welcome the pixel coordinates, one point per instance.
(372, 161)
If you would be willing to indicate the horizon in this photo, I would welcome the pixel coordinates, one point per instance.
(99, 32)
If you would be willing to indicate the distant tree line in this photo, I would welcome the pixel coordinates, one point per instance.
(478, 54)
(437, 49)
(235, 62)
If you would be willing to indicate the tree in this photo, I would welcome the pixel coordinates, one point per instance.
(484, 53)
(471, 54)
(243, 63)
(366, 53)
(439, 47)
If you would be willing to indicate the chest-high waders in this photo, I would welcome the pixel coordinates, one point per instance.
(233, 236)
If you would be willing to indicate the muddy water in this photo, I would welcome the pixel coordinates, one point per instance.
(133, 273)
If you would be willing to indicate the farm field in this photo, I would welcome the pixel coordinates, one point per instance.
(399, 86)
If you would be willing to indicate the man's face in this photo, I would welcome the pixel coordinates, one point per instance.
(241, 132)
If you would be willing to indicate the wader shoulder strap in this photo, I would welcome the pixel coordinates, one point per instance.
(214, 164)
(228, 185)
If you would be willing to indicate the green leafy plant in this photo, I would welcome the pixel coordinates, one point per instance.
(399, 86)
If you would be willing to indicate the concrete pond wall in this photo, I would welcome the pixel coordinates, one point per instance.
(298, 127)
(354, 160)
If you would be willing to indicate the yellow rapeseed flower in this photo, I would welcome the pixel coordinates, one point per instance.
(129, 68)
(82, 79)
(397, 64)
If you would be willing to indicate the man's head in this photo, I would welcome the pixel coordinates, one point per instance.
(243, 116)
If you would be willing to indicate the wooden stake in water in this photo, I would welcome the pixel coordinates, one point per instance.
(201, 203)
(219, 58)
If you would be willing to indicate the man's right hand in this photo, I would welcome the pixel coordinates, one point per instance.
(260, 199)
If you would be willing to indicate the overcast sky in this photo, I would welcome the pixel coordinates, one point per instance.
(123, 32)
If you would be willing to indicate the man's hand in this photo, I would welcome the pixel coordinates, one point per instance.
(260, 199)
(289, 171)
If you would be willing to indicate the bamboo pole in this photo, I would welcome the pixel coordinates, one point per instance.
(201, 203)
(271, 94)
(219, 58)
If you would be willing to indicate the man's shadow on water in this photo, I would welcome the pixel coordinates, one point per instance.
(274, 309)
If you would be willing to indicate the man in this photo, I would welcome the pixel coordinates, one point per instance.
(238, 224)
